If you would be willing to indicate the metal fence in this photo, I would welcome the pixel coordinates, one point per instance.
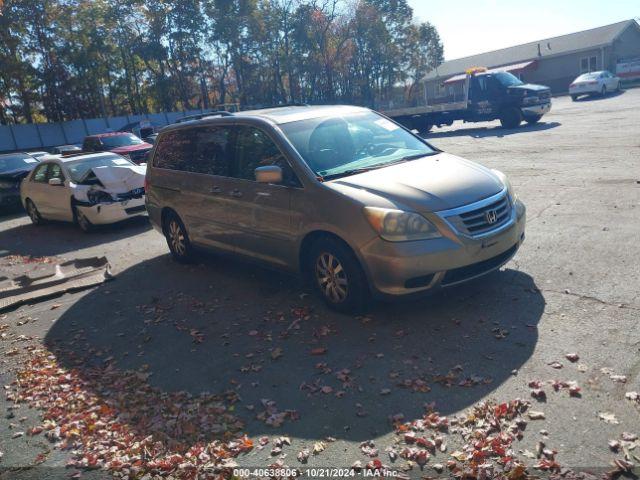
(34, 136)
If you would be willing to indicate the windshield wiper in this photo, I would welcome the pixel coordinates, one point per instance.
(355, 171)
(417, 156)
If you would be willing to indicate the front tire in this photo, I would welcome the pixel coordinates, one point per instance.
(603, 92)
(574, 98)
(533, 120)
(177, 239)
(511, 117)
(82, 221)
(338, 277)
(33, 212)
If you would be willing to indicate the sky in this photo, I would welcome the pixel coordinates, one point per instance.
(467, 27)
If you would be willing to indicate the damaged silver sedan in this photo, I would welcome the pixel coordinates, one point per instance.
(88, 189)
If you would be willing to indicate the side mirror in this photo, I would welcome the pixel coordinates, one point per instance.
(56, 182)
(270, 174)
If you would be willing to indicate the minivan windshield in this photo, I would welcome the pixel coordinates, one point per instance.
(347, 144)
(78, 169)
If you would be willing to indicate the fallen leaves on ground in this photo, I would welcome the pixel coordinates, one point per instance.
(114, 420)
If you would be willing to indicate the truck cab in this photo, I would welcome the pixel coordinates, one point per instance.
(501, 95)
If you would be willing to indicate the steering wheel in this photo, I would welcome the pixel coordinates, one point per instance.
(376, 149)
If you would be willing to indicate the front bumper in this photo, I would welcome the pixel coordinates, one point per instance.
(105, 213)
(405, 268)
(9, 197)
(536, 110)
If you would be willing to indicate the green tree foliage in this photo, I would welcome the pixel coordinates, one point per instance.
(68, 59)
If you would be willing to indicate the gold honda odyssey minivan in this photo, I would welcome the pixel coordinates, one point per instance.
(342, 194)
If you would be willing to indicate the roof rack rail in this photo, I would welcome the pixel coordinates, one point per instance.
(280, 105)
(198, 116)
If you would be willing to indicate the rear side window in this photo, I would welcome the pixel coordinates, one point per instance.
(203, 150)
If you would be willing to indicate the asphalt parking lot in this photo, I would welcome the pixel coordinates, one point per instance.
(574, 287)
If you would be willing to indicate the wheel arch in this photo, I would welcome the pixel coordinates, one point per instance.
(311, 237)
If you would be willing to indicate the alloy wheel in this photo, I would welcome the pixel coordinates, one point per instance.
(177, 238)
(331, 277)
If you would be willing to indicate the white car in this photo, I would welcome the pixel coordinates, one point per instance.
(88, 189)
(594, 83)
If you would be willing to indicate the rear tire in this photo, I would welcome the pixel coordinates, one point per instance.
(533, 120)
(338, 277)
(33, 212)
(177, 238)
(510, 117)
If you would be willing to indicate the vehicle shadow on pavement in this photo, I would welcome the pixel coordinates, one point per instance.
(594, 98)
(27, 239)
(222, 325)
(497, 131)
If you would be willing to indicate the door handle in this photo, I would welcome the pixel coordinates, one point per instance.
(215, 190)
(235, 193)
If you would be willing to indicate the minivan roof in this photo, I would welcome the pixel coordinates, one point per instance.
(280, 115)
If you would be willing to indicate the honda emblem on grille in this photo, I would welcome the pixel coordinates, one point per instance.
(491, 216)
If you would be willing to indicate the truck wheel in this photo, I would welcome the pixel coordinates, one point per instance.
(510, 117)
(424, 128)
(533, 120)
(338, 276)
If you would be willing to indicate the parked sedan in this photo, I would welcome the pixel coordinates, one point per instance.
(594, 83)
(13, 168)
(91, 189)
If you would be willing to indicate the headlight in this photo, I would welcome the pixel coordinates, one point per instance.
(505, 181)
(399, 226)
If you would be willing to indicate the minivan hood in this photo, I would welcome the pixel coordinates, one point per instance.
(434, 183)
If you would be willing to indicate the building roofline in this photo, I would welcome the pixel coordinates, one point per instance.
(432, 75)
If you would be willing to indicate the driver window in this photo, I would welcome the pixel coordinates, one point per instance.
(254, 148)
(40, 175)
(55, 172)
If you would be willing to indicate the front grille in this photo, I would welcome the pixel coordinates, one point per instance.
(135, 193)
(483, 219)
(544, 95)
(475, 269)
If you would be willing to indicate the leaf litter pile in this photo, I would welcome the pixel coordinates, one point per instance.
(114, 420)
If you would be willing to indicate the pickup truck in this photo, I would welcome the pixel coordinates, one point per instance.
(478, 95)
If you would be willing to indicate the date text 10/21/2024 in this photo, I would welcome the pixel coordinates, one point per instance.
(318, 472)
